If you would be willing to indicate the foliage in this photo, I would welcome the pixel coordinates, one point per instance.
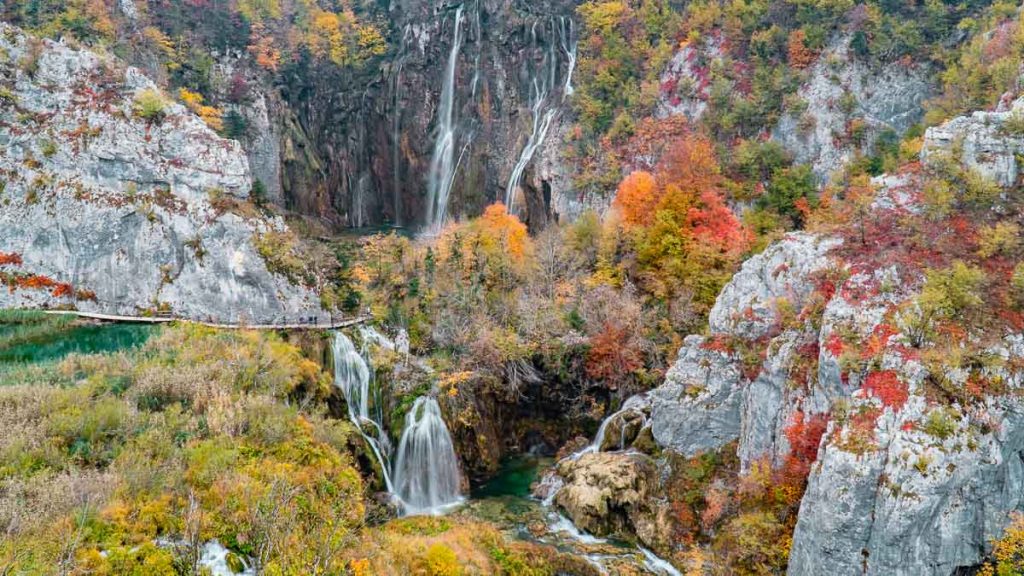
(210, 115)
(197, 436)
(684, 235)
(150, 105)
(887, 387)
(1007, 551)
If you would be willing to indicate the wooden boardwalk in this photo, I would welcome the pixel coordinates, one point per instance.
(317, 325)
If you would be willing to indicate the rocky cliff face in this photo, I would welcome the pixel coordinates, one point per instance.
(846, 105)
(109, 211)
(916, 471)
(359, 146)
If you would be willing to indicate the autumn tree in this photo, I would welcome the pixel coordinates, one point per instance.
(800, 56)
(683, 233)
(637, 198)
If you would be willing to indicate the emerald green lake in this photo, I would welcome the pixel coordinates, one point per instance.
(81, 339)
(513, 478)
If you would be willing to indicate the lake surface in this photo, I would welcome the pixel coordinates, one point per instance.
(49, 345)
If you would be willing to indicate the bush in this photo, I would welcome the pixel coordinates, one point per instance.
(441, 561)
(940, 423)
(150, 105)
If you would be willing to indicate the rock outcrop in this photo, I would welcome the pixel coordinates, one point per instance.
(915, 474)
(115, 209)
(614, 494)
(847, 105)
(988, 142)
(715, 393)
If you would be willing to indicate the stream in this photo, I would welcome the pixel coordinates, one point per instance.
(506, 501)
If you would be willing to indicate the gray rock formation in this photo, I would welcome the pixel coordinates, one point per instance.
(888, 98)
(911, 501)
(988, 142)
(131, 213)
(715, 394)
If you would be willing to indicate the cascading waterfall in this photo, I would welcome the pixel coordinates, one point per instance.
(425, 476)
(540, 91)
(353, 376)
(442, 162)
(426, 469)
(633, 403)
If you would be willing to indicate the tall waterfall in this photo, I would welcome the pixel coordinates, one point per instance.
(442, 162)
(426, 471)
(353, 376)
(567, 39)
(542, 110)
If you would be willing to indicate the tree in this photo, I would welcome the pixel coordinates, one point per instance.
(787, 188)
(1008, 551)
(800, 56)
(637, 198)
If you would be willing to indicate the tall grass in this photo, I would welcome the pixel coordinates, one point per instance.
(19, 327)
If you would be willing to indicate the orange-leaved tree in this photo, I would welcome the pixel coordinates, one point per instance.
(637, 199)
(684, 235)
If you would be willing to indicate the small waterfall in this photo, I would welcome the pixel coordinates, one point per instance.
(634, 403)
(425, 478)
(442, 162)
(426, 470)
(658, 565)
(353, 376)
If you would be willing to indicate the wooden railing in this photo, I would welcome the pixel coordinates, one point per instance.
(282, 323)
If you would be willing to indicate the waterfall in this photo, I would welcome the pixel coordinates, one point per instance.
(425, 476)
(566, 38)
(540, 88)
(442, 163)
(426, 470)
(353, 376)
(635, 403)
(396, 141)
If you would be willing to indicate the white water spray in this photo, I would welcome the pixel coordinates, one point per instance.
(543, 113)
(442, 162)
(426, 470)
(353, 376)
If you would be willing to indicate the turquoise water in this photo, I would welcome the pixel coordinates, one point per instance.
(514, 478)
(80, 339)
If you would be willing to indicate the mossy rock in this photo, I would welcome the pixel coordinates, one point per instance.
(235, 563)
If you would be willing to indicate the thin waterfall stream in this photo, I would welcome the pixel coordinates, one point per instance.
(353, 376)
(542, 109)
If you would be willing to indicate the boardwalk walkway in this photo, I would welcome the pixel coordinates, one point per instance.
(311, 324)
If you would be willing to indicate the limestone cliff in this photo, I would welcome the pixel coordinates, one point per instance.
(108, 207)
(921, 461)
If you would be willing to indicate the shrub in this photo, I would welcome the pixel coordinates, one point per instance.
(940, 423)
(887, 387)
(48, 148)
(1008, 551)
(150, 105)
(440, 560)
